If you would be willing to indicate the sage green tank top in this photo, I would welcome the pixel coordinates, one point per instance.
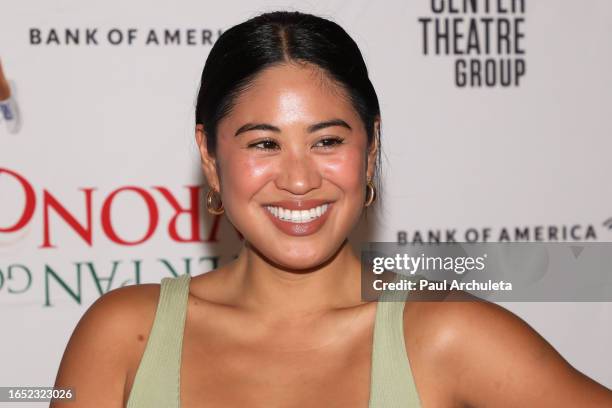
(157, 380)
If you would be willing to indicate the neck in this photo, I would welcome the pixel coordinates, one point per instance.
(286, 294)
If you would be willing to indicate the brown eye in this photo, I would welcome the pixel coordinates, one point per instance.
(264, 145)
(329, 142)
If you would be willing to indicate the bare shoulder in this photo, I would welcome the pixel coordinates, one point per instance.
(482, 354)
(106, 342)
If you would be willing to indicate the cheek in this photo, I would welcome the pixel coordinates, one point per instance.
(346, 169)
(242, 175)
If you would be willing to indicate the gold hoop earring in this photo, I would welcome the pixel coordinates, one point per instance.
(372, 196)
(209, 203)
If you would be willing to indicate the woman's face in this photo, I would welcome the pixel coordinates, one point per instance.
(291, 165)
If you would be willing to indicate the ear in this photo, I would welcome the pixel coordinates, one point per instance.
(209, 163)
(373, 151)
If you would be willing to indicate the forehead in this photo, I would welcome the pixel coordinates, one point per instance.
(290, 93)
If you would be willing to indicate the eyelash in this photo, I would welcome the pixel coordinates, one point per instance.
(336, 140)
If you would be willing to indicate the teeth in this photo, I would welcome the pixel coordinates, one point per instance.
(297, 216)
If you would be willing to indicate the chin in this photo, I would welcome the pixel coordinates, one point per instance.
(300, 258)
(299, 265)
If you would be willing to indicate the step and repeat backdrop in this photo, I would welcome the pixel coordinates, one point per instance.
(497, 127)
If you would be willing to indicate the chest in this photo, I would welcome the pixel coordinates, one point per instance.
(284, 371)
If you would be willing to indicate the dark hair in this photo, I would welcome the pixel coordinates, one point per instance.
(246, 49)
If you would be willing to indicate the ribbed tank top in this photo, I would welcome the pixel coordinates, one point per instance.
(157, 380)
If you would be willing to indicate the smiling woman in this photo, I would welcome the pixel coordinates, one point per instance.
(306, 150)
(288, 126)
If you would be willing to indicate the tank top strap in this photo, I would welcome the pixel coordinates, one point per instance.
(392, 382)
(157, 380)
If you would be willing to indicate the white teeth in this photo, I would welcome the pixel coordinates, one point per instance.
(297, 216)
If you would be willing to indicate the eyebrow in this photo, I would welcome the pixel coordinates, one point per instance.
(311, 128)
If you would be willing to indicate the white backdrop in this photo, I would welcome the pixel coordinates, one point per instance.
(112, 125)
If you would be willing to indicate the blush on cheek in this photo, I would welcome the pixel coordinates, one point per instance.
(256, 169)
(346, 171)
(245, 175)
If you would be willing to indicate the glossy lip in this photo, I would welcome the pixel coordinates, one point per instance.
(299, 229)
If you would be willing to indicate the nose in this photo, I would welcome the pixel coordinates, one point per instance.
(298, 173)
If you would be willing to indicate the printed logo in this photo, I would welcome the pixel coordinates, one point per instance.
(486, 40)
(95, 36)
(53, 226)
(519, 233)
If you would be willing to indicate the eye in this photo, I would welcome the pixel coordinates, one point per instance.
(266, 145)
(330, 142)
(269, 144)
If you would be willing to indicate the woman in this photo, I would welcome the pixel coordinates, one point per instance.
(288, 126)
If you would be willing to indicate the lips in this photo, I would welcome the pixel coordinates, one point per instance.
(303, 228)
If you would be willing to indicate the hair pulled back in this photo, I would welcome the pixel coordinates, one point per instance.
(274, 38)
